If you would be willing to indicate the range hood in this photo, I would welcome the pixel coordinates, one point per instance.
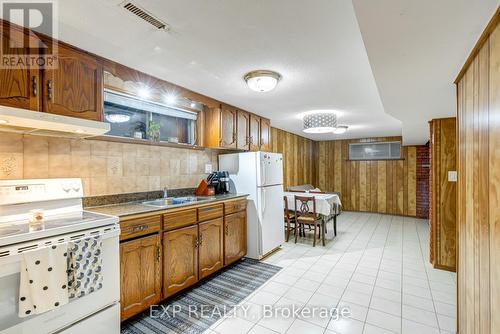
(45, 124)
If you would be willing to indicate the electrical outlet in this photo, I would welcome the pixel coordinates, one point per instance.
(208, 168)
(452, 176)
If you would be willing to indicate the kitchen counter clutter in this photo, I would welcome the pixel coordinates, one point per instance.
(169, 244)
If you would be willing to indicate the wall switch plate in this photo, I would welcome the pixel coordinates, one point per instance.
(452, 176)
(208, 168)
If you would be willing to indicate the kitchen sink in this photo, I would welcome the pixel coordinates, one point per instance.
(162, 202)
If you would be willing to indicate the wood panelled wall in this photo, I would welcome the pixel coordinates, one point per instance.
(384, 186)
(299, 157)
(443, 222)
(478, 188)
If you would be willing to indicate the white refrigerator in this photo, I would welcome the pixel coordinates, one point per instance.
(260, 175)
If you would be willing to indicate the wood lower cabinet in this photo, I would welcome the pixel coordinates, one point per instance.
(235, 237)
(180, 259)
(254, 133)
(211, 253)
(140, 274)
(265, 134)
(75, 87)
(182, 247)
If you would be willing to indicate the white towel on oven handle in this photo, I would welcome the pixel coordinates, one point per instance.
(44, 280)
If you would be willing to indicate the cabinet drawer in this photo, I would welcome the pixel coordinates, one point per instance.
(178, 219)
(235, 206)
(210, 212)
(140, 226)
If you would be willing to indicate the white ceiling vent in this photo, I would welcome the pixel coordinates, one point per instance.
(145, 15)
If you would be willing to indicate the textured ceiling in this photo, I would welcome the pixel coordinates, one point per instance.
(316, 45)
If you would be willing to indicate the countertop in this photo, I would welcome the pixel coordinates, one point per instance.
(132, 208)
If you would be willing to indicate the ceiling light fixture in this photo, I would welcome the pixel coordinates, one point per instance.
(320, 122)
(170, 98)
(340, 129)
(262, 80)
(144, 92)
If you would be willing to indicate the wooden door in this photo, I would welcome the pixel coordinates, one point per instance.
(19, 84)
(235, 237)
(140, 274)
(211, 252)
(265, 134)
(228, 127)
(180, 259)
(75, 87)
(242, 130)
(254, 132)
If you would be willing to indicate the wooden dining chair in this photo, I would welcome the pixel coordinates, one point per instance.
(289, 219)
(305, 216)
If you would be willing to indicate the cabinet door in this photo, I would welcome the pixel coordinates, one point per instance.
(211, 253)
(235, 237)
(180, 259)
(140, 274)
(228, 127)
(254, 132)
(19, 84)
(242, 129)
(265, 135)
(75, 87)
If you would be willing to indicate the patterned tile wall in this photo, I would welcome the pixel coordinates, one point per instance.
(105, 167)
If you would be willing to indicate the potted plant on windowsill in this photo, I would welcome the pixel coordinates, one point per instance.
(154, 131)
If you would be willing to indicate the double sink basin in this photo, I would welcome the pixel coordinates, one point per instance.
(170, 201)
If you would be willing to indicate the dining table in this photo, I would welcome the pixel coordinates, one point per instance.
(328, 207)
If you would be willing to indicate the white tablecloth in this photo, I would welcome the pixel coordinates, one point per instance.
(326, 204)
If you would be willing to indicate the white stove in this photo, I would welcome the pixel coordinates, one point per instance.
(64, 220)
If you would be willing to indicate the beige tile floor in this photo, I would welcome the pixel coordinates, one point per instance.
(377, 267)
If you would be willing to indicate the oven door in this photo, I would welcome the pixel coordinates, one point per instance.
(69, 314)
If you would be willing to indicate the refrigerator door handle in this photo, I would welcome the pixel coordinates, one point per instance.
(263, 174)
(263, 200)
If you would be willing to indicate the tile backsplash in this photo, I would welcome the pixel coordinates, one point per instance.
(105, 167)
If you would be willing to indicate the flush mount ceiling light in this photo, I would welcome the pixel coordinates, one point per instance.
(320, 122)
(340, 129)
(262, 80)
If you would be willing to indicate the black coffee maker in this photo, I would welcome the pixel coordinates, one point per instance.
(220, 181)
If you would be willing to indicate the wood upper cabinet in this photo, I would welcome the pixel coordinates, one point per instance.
(228, 117)
(180, 259)
(265, 134)
(75, 87)
(140, 274)
(254, 132)
(242, 130)
(221, 127)
(211, 253)
(19, 85)
(235, 237)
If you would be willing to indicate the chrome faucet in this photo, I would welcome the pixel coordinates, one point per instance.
(165, 192)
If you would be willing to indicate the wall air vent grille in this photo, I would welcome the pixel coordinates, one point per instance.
(143, 14)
